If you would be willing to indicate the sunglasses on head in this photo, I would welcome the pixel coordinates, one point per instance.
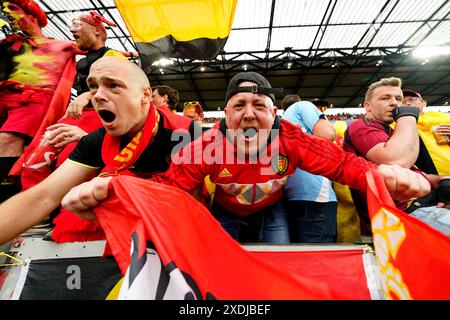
(191, 104)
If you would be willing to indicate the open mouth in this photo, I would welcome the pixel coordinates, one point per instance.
(107, 116)
(249, 132)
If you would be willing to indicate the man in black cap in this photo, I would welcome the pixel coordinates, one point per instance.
(434, 135)
(249, 155)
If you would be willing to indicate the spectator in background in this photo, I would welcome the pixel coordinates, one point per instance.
(80, 118)
(288, 100)
(165, 97)
(36, 65)
(90, 36)
(321, 105)
(435, 153)
(193, 110)
(373, 138)
(310, 200)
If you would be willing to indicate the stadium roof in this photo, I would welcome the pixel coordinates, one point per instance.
(327, 49)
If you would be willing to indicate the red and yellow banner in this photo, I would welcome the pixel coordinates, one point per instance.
(179, 251)
(200, 257)
(413, 258)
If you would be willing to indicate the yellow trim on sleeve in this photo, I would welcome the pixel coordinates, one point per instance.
(83, 165)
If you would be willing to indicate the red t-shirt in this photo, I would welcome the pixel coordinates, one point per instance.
(364, 134)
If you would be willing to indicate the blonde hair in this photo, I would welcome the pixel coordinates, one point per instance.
(389, 82)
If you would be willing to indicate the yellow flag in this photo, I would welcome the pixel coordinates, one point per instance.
(439, 153)
(3, 23)
(178, 28)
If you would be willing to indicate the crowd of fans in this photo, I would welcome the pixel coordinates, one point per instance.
(344, 116)
(288, 202)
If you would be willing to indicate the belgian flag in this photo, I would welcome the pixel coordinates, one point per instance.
(185, 29)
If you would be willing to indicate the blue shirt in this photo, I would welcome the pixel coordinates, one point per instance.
(303, 185)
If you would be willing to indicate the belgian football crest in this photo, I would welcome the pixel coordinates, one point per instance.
(280, 164)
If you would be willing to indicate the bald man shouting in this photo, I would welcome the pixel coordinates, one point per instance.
(135, 139)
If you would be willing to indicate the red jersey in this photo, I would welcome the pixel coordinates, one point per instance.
(244, 188)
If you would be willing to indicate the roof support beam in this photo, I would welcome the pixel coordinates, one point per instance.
(427, 21)
(303, 75)
(375, 74)
(68, 35)
(269, 35)
(118, 25)
(340, 76)
(193, 85)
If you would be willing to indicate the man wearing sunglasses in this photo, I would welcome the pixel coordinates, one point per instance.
(193, 110)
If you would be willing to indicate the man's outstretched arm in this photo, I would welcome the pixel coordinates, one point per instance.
(30, 207)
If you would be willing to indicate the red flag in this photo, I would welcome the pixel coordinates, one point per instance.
(55, 111)
(188, 239)
(413, 258)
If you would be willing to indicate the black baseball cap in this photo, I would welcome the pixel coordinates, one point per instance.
(412, 93)
(262, 85)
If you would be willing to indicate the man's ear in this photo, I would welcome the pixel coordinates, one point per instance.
(147, 95)
(367, 106)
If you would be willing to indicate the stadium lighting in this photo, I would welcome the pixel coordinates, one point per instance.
(429, 52)
(162, 62)
(202, 68)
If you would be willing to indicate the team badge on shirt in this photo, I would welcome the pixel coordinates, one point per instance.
(280, 164)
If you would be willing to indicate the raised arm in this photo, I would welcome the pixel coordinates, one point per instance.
(401, 148)
(324, 158)
(30, 207)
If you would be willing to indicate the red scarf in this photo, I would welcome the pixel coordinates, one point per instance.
(116, 162)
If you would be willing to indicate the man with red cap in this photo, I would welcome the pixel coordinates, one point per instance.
(90, 35)
(36, 65)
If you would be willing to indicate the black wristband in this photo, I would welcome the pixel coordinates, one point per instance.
(405, 111)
